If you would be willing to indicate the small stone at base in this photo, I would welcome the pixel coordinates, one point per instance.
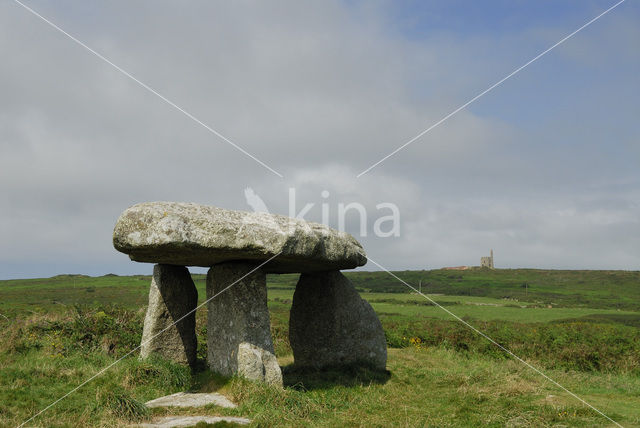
(192, 399)
(189, 421)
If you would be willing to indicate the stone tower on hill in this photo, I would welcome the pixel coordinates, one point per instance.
(487, 261)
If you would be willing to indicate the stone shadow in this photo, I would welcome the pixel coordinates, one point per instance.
(308, 378)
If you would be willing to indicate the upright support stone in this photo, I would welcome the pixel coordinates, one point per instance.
(330, 324)
(238, 327)
(171, 296)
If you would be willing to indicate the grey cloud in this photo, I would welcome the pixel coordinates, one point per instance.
(317, 90)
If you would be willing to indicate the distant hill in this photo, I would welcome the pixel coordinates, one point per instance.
(70, 275)
(589, 288)
(560, 288)
(586, 288)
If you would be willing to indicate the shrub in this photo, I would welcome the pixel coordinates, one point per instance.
(578, 345)
(121, 404)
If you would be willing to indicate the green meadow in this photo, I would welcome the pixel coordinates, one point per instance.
(581, 328)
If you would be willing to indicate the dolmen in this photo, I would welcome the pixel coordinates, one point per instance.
(329, 325)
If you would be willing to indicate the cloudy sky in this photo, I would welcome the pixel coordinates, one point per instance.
(544, 169)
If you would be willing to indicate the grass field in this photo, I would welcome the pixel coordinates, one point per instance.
(581, 327)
